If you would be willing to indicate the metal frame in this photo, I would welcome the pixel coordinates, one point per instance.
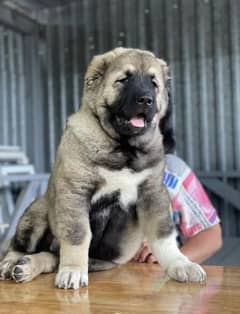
(35, 187)
(223, 190)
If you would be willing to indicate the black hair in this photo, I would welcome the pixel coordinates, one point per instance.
(166, 129)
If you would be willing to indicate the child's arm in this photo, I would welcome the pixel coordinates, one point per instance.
(203, 245)
(197, 248)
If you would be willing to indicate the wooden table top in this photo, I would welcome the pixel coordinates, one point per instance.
(133, 288)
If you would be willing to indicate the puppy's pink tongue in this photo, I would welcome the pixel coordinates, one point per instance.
(137, 122)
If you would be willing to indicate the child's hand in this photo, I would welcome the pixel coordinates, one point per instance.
(144, 255)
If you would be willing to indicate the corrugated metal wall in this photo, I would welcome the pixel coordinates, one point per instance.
(200, 39)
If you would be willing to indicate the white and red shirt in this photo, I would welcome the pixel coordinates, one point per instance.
(192, 210)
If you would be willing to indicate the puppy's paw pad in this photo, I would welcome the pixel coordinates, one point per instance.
(6, 269)
(17, 273)
(187, 271)
(22, 271)
(71, 278)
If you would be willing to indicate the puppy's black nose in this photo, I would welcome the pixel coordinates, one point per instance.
(145, 100)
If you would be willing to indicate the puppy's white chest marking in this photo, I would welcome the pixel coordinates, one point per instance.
(126, 181)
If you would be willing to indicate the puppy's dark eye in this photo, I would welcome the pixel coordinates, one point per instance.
(154, 82)
(123, 80)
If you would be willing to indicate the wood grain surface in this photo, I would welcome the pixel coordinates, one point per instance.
(132, 288)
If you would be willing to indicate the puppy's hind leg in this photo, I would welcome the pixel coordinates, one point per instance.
(32, 227)
(31, 231)
(30, 266)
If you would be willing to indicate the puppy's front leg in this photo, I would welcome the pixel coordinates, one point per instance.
(161, 234)
(176, 265)
(73, 268)
(74, 235)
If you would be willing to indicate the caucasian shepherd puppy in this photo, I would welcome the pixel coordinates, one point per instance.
(105, 194)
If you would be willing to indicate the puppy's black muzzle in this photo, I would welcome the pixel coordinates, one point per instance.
(133, 112)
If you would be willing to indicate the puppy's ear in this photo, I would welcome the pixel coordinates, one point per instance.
(99, 65)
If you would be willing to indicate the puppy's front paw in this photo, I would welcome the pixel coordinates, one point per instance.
(182, 270)
(71, 278)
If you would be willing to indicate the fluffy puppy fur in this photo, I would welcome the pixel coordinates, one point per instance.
(105, 193)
